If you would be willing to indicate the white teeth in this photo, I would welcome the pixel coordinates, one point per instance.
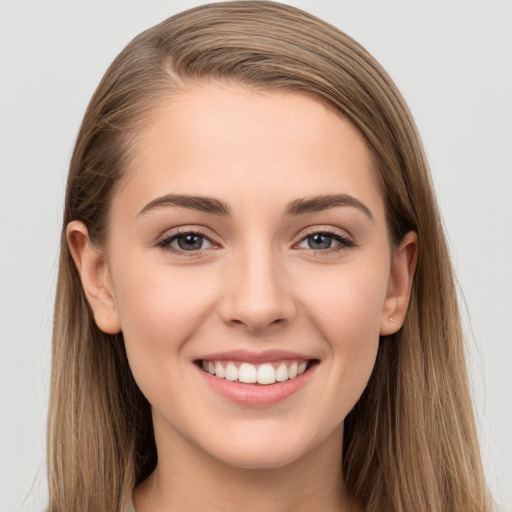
(219, 370)
(266, 374)
(247, 373)
(282, 373)
(231, 372)
(250, 374)
(292, 371)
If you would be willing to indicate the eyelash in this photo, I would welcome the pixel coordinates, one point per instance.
(166, 241)
(344, 241)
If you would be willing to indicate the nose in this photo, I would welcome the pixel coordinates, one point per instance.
(258, 294)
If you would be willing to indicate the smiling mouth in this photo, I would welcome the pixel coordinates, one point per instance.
(264, 374)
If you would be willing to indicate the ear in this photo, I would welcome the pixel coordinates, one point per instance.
(400, 281)
(95, 275)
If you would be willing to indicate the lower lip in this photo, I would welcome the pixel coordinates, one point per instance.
(257, 395)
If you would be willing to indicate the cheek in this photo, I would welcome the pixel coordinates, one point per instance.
(348, 314)
(348, 304)
(160, 309)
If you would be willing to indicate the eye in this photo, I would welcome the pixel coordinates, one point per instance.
(318, 241)
(325, 241)
(185, 242)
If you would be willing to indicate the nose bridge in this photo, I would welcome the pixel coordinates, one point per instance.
(258, 295)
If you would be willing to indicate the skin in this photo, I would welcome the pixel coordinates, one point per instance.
(256, 284)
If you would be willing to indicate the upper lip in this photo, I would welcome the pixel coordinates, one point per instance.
(248, 356)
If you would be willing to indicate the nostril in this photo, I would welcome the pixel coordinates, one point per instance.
(256, 324)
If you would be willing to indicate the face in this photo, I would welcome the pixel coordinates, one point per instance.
(250, 272)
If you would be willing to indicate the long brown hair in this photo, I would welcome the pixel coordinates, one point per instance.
(410, 442)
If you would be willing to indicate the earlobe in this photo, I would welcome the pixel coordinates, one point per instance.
(95, 276)
(400, 282)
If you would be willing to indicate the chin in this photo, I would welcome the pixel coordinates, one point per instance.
(269, 451)
(259, 460)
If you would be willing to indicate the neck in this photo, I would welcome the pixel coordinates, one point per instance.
(187, 478)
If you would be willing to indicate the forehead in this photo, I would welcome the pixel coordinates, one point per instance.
(238, 145)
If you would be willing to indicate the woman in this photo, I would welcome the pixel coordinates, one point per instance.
(255, 303)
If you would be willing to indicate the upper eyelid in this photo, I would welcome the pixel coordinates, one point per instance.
(180, 231)
(331, 230)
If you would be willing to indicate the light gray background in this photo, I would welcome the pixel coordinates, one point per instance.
(451, 59)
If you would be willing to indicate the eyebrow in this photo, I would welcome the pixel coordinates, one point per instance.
(294, 208)
(199, 203)
(325, 202)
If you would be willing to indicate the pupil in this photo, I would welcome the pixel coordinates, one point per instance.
(190, 242)
(319, 241)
